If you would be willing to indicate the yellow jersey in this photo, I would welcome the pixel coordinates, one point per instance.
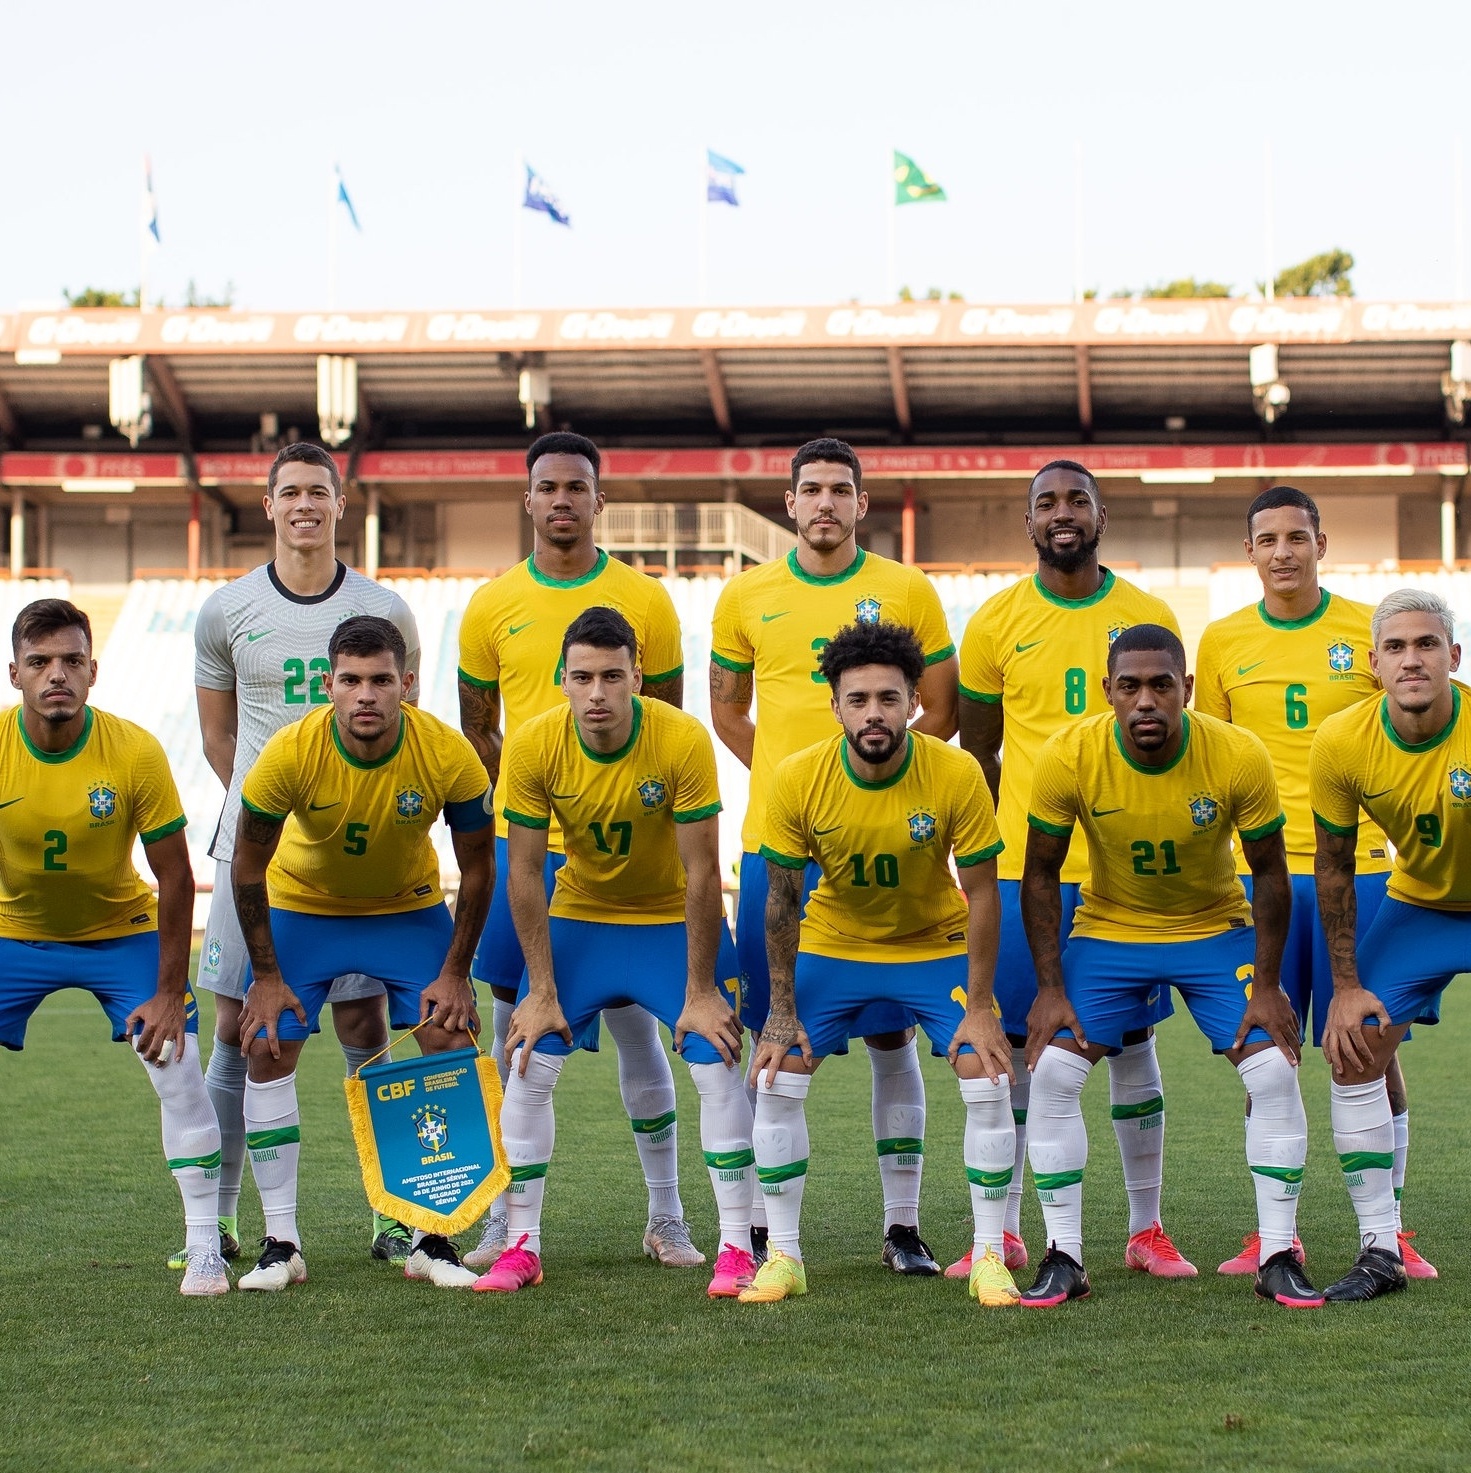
(1282, 679)
(1159, 838)
(886, 893)
(775, 620)
(1044, 658)
(1419, 794)
(617, 810)
(67, 824)
(511, 637)
(356, 837)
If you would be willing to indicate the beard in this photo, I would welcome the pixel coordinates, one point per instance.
(894, 740)
(1071, 560)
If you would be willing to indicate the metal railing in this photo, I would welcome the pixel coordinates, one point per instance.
(693, 527)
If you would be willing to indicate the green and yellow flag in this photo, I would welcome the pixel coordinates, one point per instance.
(911, 183)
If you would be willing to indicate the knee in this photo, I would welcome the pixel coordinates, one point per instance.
(361, 1023)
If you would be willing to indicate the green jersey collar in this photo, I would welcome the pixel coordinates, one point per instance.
(1104, 589)
(1174, 762)
(70, 752)
(1324, 600)
(625, 749)
(888, 782)
(1429, 745)
(403, 726)
(851, 571)
(549, 582)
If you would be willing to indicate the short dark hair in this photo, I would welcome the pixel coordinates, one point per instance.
(1275, 496)
(601, 628)
(367, 634)
(306, 453)
(47, 616)
(1147, 637)
(871, 644)
(564, 442)
(839, 451)
(1066, 465)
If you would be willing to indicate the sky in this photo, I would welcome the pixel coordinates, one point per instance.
(1175, 108)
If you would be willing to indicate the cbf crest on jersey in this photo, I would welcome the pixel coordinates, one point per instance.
(102, 800)
(1341, 656)
(410, 804)
(1460, 783)
(867, 610)
(651, 792)
(1204, 810)
(1114, 632)
(921, 827)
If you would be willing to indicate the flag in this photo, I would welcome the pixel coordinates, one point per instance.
(911, 183)
(345, 199)
(150, 202)
(720, 178)
(539, 197)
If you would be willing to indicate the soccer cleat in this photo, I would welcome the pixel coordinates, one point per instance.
(394, 1243)
(1249, 1260)
(991, 1284)
(1059, 1279)
(734, 1270)
(204, 1273)
(1151, 1252)
(493, 1239)
(1014, 1256)
(668, 1240)
(516, 1268)
(438, 1260)
(780, 1277)
(759, 1243)
(281, 1264)
(229, 1246)
(1415, 1266)
(907, 1253)
(1282, 1280)
(1376, 1271)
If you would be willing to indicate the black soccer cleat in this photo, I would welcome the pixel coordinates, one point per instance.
(1059, 1279)
(759, 1248)
(1282, 1280)
(1376, 1271)
(907, 1253)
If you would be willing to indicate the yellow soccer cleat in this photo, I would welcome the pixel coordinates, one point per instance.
(780, 1277)
(991, 1284)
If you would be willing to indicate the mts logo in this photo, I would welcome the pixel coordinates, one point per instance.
(396, 1091)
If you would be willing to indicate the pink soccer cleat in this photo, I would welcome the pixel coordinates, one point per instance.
(1151, 1252)
(1014, 1256)
(1415, 1266)
(734, 1270)
(1248, 1261)
(516, 1268)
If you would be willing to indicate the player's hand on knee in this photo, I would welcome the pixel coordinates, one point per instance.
(535, 1017)
(1270, 1009)
(265, 1001)
(1050, 1015)
(159, 1025)
(1345, 1045)
(450, 1001)
(781, 1033)
(982, 1031)
(709, 1015)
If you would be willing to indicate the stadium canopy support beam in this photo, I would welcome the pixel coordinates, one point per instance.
(1450, 490)
(1085, 393)
(17, 532)
(906, 526)
(715, 386)
(899, 387)
(171, 399)
(372, 535)
(9, 422)
(193, 543)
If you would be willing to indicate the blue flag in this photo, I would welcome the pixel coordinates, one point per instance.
(539, 197)
(720, 178)
(344, 198)
(150, 202)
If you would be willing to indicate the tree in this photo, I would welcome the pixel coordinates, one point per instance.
(96, 297)
(1188, 286)
(1323, 275)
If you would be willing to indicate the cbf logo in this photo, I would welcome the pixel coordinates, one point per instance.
(867, 610)
(921, 827)
(1117, 630)
(409, 803)
(432, 1128)
(102, 801)
(1341, 656)
(213, 953)
(1460, 783)
(651, 792)
(1204, 811)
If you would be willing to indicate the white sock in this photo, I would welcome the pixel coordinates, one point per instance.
(225, 1081)
(646, 1083)
(781, 1147)
(1137, 1097)
(273, 1138)
(758, 1200)
(1363, 1136)
(1401, 1125)
(191, 1142)
(1276, 1145)
(355, 1057)
(1057, 1145)
(725, 1136)
(500, 1014)
(990, 1151)
(898, 1129)
(528, 1132)
(1021, 1093)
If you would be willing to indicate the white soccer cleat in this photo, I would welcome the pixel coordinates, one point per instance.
(494, 1237)
(668, 1240)
(438, 1260)
(204, 1273)
(280, 1265)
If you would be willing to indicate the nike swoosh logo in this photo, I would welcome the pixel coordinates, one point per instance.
(261, 634)
(9, 801)
(767, 618)
(517, 628)
(318, 807)
(1368, 796)
(1023, 648)
(818, 833)
(1247, 669)
(1104, 812)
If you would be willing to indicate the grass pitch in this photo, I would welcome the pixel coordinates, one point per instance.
(615, 1363)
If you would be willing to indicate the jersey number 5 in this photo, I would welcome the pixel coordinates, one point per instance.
(356, 835)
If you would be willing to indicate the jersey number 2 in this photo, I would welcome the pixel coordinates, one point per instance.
(304, 682)
(55, 848)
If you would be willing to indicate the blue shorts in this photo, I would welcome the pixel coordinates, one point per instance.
(834, 997)
(601, 965)
(404, 950)
(883, 1017)
(1409, 955)
(1116, 986)
(498, 959)
(121, 974)
(1307, 975)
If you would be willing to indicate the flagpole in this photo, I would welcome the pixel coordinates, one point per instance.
(1271, 282)
(143, 244)
(516, 227)
(332, 242)
(1458, 196)
(892, 285)
(703, 293)
(1078, 223)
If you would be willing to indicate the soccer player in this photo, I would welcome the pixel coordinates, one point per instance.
(771, 624)
(335, 872)
(77, 787)
(881, 809)
(1279, 668)
(1158, 793)
(260, 658)
(635, 916)
(510, 655)
(1405, 760)
(1032, 662)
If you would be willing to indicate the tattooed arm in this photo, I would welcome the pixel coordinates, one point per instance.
(256, 838)
(670, 691)
(731, 692)
(1345, 1044)
(480, 720)
(783, 1029)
